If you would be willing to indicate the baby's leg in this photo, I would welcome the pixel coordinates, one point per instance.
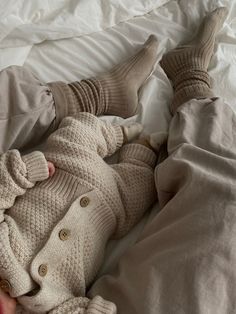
(186, 66)
(112, 93)
(31, 110)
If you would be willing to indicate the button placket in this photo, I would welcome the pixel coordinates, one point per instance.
(42, 270)
(64, 234)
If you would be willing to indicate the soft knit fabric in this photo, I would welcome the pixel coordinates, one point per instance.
(187, 65)
(184, 260)
(114, 92)
(53, 235)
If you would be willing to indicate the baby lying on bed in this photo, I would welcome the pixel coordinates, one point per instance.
(54, 226)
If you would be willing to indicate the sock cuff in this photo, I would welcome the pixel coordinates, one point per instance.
(189, 77)
(194, 91)
(87, 97)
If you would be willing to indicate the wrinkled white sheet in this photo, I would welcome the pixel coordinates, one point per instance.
(74, 39)
(25, 23)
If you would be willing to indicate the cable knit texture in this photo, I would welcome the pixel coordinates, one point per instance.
(53, 235)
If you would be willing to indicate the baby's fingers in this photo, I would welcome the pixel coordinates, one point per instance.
(7, 304)
(51, 170)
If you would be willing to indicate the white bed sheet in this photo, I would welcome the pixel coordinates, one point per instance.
(71, 40)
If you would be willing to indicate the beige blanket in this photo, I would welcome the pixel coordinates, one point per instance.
(185, 260)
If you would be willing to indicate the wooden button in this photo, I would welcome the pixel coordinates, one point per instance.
(84, 201)
(43, 269)
(5, 285)
(64, 234)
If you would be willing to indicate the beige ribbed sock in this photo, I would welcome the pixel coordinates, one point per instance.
(116, 92)
(187, 65)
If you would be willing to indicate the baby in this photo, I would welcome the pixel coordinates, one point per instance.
(59, 207)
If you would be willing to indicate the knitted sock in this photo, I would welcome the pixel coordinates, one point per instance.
(187, 65)
(116, 92)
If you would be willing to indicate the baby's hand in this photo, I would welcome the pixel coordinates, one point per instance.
(7, 304)
(131, 131)
(143, 141)
(51, 168)
(157, 139)
(153, 141)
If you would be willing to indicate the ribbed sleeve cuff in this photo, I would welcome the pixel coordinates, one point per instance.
(119, 135)
(100, 306)
(139, 152)
(36, 165)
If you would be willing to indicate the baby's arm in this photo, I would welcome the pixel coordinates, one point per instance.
(83, 305)
(18, 173)
(78, 305)
(81, 142)
(135, 180)
(88, 132)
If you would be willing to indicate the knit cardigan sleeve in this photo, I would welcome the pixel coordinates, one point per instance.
(19, 173)
(83, 305)
(84, 131)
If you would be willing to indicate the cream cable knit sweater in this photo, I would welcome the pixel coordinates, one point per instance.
(54, 232)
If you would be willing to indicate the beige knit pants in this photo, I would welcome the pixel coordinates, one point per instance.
(185, 260)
